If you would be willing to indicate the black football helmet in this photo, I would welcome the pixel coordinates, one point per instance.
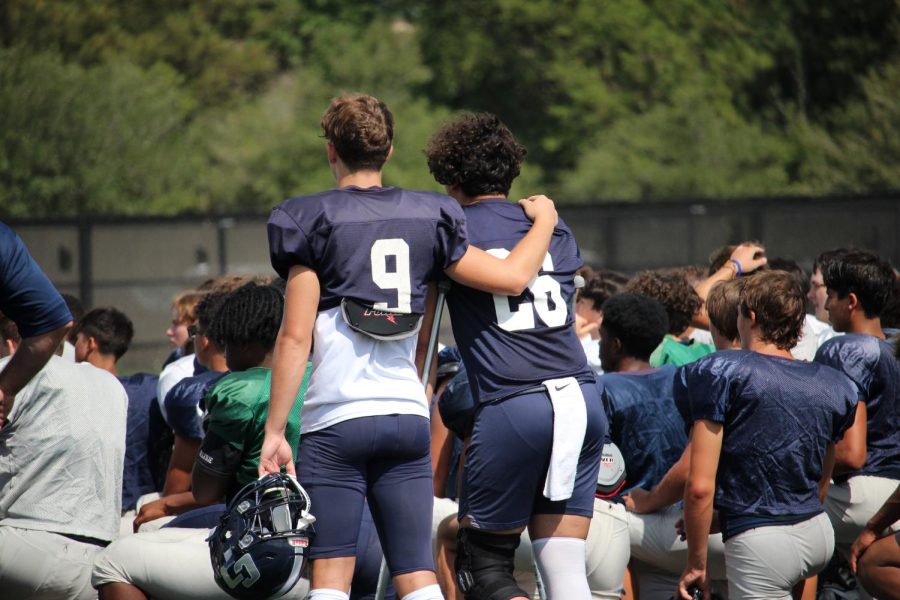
(260, 544)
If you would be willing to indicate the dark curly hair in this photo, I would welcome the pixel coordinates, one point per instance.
(779, 304)
(111, 328)
(638, 322)
(477, 152)
(251, 314)
(672, 291)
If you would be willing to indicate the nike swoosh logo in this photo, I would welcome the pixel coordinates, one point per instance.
(562, 387)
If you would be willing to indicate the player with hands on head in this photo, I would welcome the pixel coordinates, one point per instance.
(746, 258)
(360, 261)
(762, 448)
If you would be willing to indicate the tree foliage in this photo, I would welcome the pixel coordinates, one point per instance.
(177, 105)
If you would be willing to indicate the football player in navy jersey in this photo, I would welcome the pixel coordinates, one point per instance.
(535, 447)
(867, 466)
(359, 260)
(762, 448)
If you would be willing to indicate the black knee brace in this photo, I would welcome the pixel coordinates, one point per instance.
(484, 565)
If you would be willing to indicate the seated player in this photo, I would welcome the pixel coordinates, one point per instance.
(875, 556)
(359, 261)
(102, 337)
(867, 467)
(63, 453)
(650, 433)
(538, 433)
(762, 448)
(174, 562)
(682, 303)
(457, 414)
(598, 287)
(184, 410)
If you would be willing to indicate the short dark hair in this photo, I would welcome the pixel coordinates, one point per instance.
(672, 291)
(777, 300)
(251, 314)
(826, 257)
(601, 286)
(722, 306)
(638, 322)
(863, 273)
(477, 152)
(361, 129)
(110, 327)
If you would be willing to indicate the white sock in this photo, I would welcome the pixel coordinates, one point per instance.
(326, 594)
(560, 561)
(429, 592)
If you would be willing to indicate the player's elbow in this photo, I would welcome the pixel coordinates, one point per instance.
(852, 460)
(513, 283)
(699, 491)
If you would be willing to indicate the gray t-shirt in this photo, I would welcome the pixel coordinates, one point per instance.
(63, 451)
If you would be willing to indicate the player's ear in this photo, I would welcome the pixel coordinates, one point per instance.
(390, 153)
(332, 153)
(853, 302)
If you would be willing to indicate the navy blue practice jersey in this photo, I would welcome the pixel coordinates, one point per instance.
(644, 423)
(137, 475)
(870, 363)
(778, 416)
(510, 344)
(379, 246)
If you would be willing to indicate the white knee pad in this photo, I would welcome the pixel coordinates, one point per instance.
(327, 594)
(429, 592)
(560, 562)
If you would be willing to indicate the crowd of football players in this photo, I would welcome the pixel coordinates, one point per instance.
(682, 432)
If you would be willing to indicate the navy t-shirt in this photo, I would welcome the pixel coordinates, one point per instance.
(26, 295)
(140, 462)
(870, 363)
(184, 403)
(379, 246)
(778, 417)
(644, 423)
(510, 344)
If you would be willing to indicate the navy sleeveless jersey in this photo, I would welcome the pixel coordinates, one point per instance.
(870, 363)
(380, 246)
(138, 474)
(779, 415)
(644, 423)
(510, 344)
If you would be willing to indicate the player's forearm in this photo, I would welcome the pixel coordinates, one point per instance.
(698, 509)
(670, 489)
(29, 358)
(288, 368)
(887, 514)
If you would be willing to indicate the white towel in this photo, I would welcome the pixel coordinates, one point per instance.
(569, 426)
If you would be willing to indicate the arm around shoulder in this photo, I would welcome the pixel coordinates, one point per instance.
(512, 274)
